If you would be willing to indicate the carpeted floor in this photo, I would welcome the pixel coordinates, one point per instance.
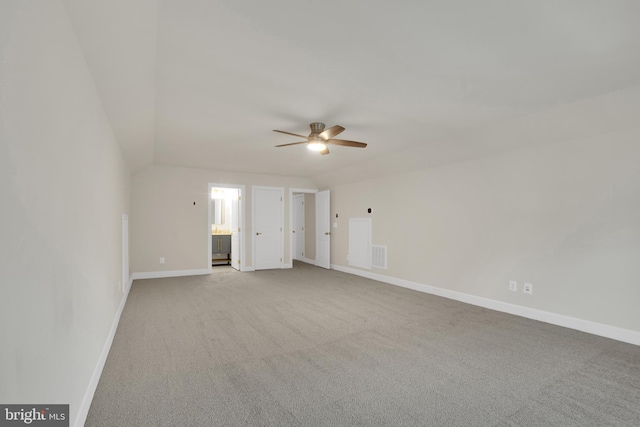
(315, 347)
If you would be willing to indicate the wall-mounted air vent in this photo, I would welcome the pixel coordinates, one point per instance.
(379, 256)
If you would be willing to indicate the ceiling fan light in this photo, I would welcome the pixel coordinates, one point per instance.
(316, 146)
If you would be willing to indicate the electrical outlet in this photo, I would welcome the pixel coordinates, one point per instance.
(528, 288)
(513, 286)
(162, 260)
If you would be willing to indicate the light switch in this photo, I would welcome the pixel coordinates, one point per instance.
(335, 225)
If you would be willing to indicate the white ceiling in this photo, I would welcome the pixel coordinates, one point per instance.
(202, 83)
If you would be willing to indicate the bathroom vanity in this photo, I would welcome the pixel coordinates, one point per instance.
(220, 249)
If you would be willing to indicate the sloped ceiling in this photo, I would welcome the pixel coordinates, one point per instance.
(202, 83)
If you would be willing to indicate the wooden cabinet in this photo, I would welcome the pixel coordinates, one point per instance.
(220, 249)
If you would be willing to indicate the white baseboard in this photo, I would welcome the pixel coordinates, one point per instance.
(170, 273)
(129, 284)
(81, 417)
(288, 265)
(613, 332)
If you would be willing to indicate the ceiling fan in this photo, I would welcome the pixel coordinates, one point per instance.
(320, 138)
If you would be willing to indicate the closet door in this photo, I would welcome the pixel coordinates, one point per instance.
(268, 224)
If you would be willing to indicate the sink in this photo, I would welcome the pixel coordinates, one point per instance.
(221, 232)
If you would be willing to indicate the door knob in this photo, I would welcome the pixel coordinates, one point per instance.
(294, 231)
(327, 233)
(257, 234)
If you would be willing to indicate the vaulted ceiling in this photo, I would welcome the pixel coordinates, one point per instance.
(202, 83)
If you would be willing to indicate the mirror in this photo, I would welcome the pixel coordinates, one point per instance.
(217, 211)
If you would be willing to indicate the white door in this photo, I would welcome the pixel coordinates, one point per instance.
(323, 231)
(268, 223)
(298, 227)
(235, 229)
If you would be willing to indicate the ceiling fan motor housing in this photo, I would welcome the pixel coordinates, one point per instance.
(316, 128)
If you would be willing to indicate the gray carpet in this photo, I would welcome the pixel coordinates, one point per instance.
(315, 347)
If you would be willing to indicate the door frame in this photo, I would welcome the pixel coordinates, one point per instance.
(291, 191)
(242, 225)
(253, 223)
(297, 198)
(320, 222)
(125, 253)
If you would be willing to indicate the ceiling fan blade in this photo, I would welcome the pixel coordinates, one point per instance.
(346, 143)
(325, 151)
(331, 132)
(289, 133)
(293, 143)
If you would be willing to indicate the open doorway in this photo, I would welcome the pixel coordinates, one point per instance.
(225, 223)
(302, 223)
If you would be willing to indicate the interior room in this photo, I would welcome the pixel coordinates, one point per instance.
(224, 216)
(240, 212)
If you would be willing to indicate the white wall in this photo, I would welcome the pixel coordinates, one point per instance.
(562, 215)
(169, 225)
(118, 41)
(64, 186)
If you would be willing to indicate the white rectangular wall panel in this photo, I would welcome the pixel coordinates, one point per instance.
(360, 242)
